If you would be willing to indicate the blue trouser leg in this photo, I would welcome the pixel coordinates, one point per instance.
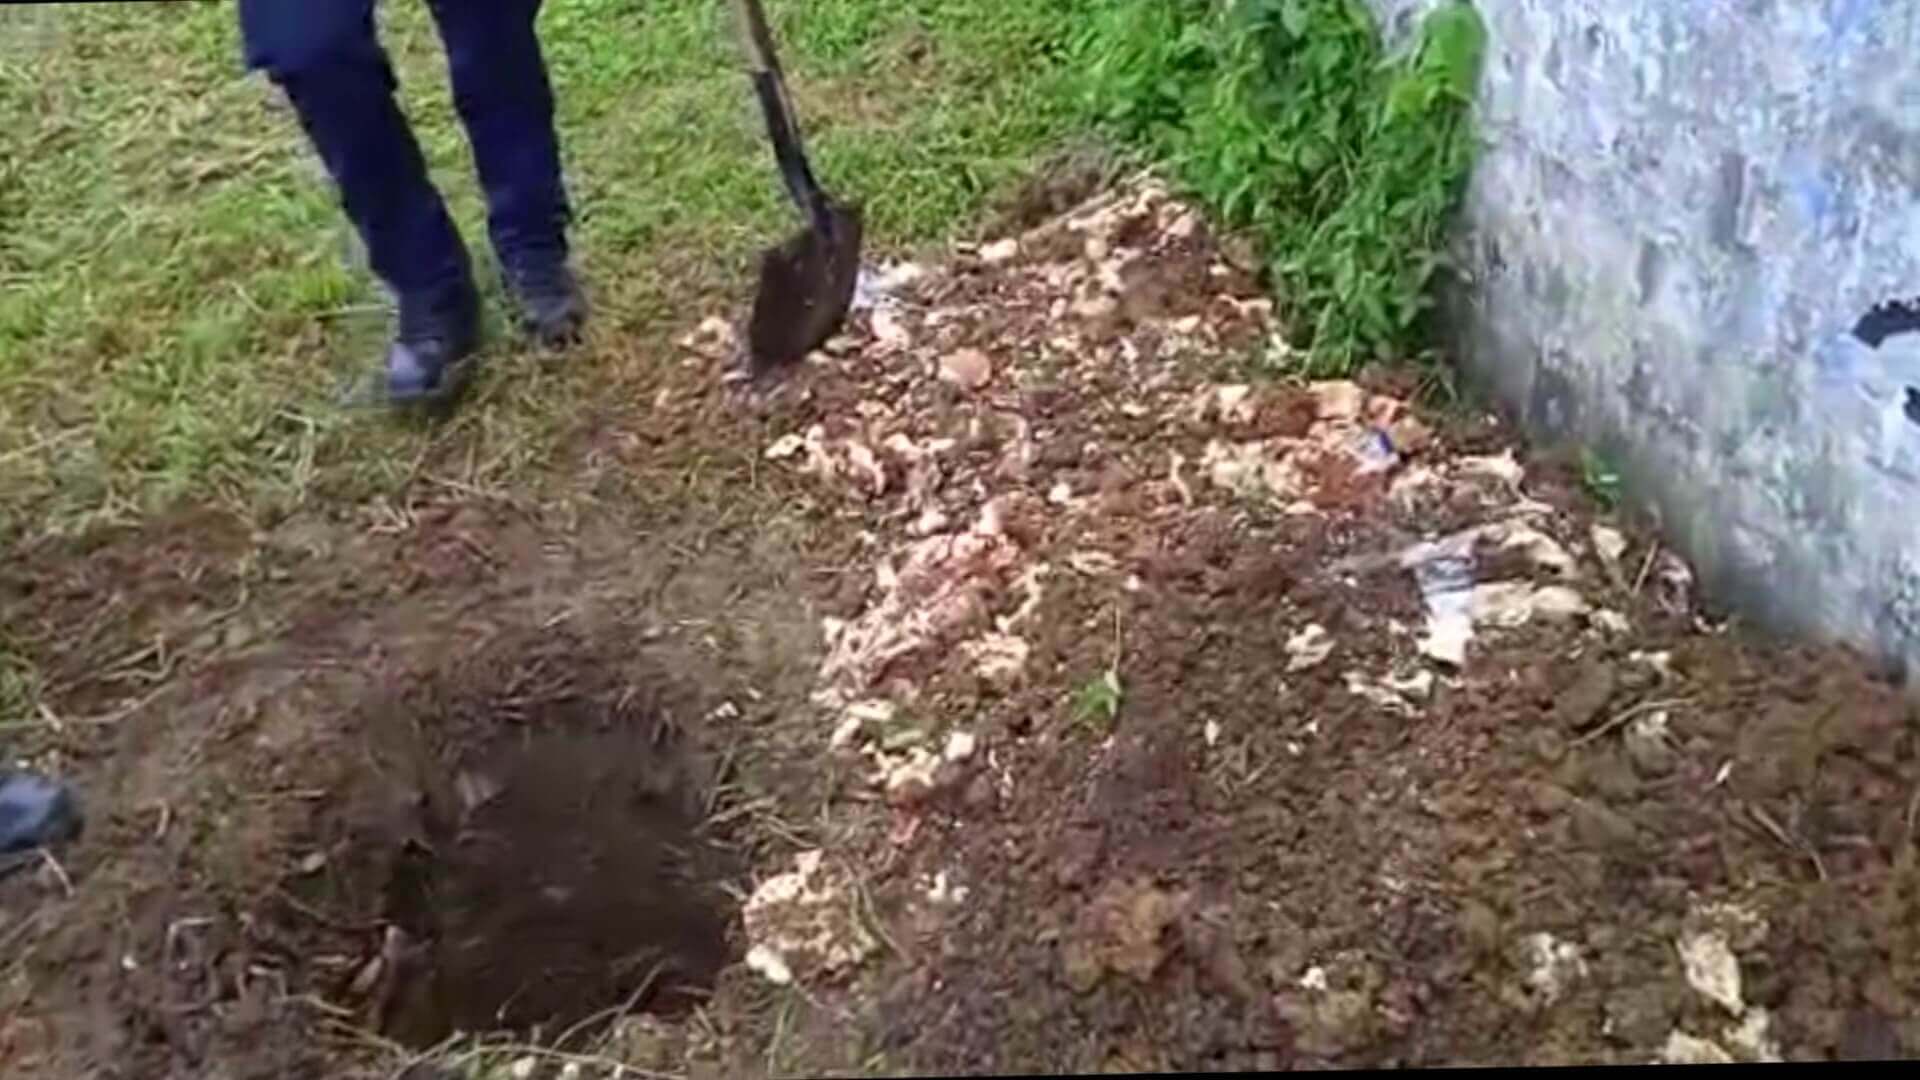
(505, 101)
(326, 56)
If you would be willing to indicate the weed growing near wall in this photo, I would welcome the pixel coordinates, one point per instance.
(1288, 119)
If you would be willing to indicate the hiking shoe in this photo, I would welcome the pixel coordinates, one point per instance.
(430, 360)
(553, 309)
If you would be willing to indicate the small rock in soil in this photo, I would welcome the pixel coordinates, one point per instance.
(1753, 1037)
(1207, 940)
(1611, 622)
(913, 780)
(1480, 925)
(1599, 828)
(1579, 705)
(960, 746)
(1743, 928)
(1676, 582)
(1648, 747)
(1549, 745)
(1309, 648)
(1712, 969)
(1552, 966)
(1000, 251)
(1550, 799)
(1612, 776)
(1684, 1049)
(1639, 1015)
(1126, 925)
(1080, 967)
(968, 368)
(1331, 1015)
(979, 794)
(1611, 546)
(1339, 399)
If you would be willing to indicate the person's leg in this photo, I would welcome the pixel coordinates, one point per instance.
(326, 56)
(505, 100)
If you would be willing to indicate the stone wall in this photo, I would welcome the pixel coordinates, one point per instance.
(1679, 249)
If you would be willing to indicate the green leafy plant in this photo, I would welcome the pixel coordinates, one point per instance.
(1290, 121)
(1099, 700)
(1599, 479)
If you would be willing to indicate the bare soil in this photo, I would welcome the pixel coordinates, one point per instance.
(1025, 688)
(527, 834)
(460, 776)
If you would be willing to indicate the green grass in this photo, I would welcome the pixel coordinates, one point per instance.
(1289, 119)
(177, 302)
(1098, 700)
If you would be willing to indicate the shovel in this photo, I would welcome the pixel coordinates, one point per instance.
(806, 284)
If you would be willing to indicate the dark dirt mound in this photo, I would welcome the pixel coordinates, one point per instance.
(1337, 884)
(527, 839)
(1226, 810)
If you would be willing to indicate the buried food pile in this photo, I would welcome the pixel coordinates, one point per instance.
(1223, 721)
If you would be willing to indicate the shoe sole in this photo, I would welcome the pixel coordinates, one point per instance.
(371, 392)
(455, 380)
(568, 335)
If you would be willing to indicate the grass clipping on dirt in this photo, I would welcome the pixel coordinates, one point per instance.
(1288, 119)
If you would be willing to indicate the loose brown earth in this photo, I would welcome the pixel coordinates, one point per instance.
(968, 715)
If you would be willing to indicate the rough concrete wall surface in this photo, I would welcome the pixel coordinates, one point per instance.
(1684, 211)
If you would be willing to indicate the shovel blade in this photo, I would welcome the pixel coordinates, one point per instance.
(806, 289)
